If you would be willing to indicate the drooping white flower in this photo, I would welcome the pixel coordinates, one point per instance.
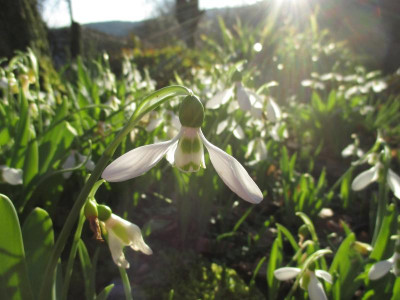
(352, 150)
(10, 175)
(220, 98)
(273, 111)
(383, 267)
(74, 159)
(122, 233)
(371, 175)
(185, 151)
(314, 287)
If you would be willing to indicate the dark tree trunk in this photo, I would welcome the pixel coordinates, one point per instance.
(20, 27)
(188, 15)
(76, 40)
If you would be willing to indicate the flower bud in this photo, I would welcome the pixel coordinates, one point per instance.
(104, 212)
(362, 248)
(91, 209)
(191, 113)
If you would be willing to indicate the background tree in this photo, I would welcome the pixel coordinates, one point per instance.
(188, 14)
(21, 26)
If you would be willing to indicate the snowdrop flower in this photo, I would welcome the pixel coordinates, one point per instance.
(309, 280)
(3, 83)
(234, 127)
(10, 175)
(371, 175)
(258, 147)
(383, 267)
(113, 102)
(76, 158)
(185, 151)
(273, 111)
(122, 233)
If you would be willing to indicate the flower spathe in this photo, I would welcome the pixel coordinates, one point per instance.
(314, 287)
(185, 151)
(122, 233)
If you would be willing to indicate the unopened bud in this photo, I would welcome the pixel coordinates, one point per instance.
(91, 209)
(104, 212)
(362, 248)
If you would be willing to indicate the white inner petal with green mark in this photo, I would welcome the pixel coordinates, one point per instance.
(189, 155)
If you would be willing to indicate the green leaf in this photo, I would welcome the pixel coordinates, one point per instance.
(275, 261)
(387, 229)
(331, 101)
(22, 134)
(289, 236)
(38, 235)
(105, 292)
(310, 225)
(317, 102)
(31, 164)
(87, 270)
(396, 289)
(347, 264)
(14, 280)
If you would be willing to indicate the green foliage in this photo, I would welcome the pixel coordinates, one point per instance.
(283, 100)
(15, 283)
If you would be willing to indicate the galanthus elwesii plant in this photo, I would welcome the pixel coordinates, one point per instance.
(185, 151)
(308, 280)
(383, 267)
(10, 175)
(119, 233)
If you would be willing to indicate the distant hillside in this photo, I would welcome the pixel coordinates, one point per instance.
(116, 28)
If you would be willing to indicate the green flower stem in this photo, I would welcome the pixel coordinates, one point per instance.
(382, 203)
(126, 284)
(72, 254)
(148, 104)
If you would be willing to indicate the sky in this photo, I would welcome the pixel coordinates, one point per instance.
(56, 13)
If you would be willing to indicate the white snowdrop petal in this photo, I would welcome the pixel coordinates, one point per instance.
(153, 124)
(315, 289)
(349, 150)
(393, 181)
(221, 126)
(286, 273)
(11, 176)
(137, 161)
(273, 111)
(116, 249)
(243, 98)
(261, 151)
(238, 132)
(233, 173)
(220, 99)
(324, 275)
(170, 157)
(250, 148)
(365, 178)
(379, 269)
(137, 242)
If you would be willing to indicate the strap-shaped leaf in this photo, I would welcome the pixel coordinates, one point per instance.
(38, 235)
(14, 281)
